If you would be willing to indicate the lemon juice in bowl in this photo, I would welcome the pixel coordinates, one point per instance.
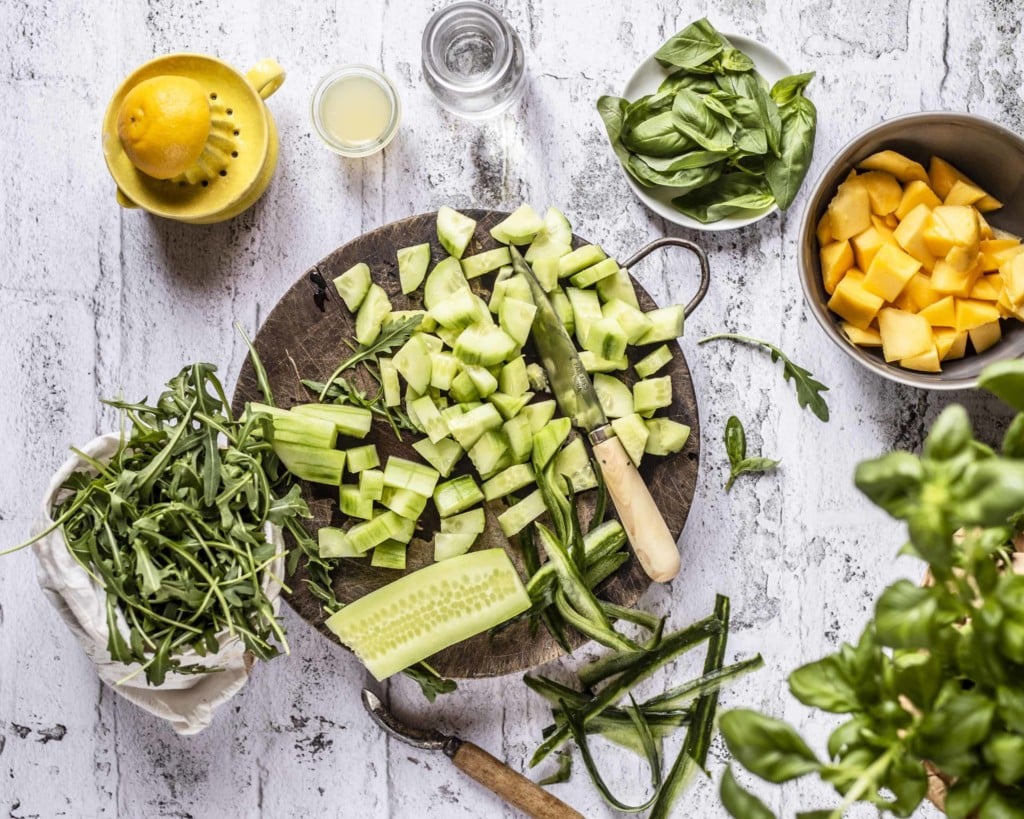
(356, 110)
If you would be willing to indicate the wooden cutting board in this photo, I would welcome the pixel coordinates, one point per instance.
(299, 340)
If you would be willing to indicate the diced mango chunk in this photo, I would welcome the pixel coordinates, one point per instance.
(926, 362)
(1012, 274)
(904, 335)
(853, 303)
(947, 279)
(944, 176)
(910, 235)
(882, 226)
(866, 245)
(987, 288)
(890, 271)
(823, 231)
(849, 212)
(985, 336)
(996, 251)
(942, 313)
(950, 343)
(963, 193)
(884, 191)
(900, 166)
(971, 313)
(836, 259)
(914, 194)
(938, 237)
(862, 337)
(918, 294)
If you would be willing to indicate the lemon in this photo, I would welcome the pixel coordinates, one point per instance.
(163, 125)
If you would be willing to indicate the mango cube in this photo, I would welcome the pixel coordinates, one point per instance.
(823, 231)
(910, 235)
(866, 245)
(869, 337)
(900, 166)
(985, 336)
(904, 335)
(962, 222)
(853, 303)
(917, 294)
(914, 194)
(963, 193)
(890, 271)
(926, 362)
(971, 313)
(947, 279)
(944, 176)
(950, 343)
(882, 226)
(938, 238)
(849, 211)
(836, 259)
(1012, 274)
(884, 191)
(987, 288)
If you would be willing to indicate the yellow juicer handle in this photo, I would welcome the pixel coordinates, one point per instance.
(266, 77)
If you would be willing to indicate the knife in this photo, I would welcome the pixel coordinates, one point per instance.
(645, 527)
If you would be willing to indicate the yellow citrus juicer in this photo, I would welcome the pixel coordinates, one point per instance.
(238, 158)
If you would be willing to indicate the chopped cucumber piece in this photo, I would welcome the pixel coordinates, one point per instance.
(563, 308)
(298, 428)
(454, 230)
(371, 484)
(389, 555)
(444, 367)
(606, 339)
(484, 344)
(405, 474)
(547, 441)
(508, 481)
(536, 377)
(463, 389)
(412, 266)
(472, 522)
(389, 382)
(442, 456)
(509, 405)
(618, 286)
(520, 437)
(553, 240)
(651, 394)
(589, 276)
(448, 335)
(632, 432)
(414, 363)
(573, 461)
(650, 364)
(451, 544)
(515, 518)
(519, 227)
(539, 414)
(446, 278)
(615, 397)
(431, 342)
(430, 418)
(334, 542)
(516, 318)
(387, 526)
(312, 463)
(354, 422)
(410, 397)
(498, 290)
(513, 379)
(371, 314)
(404, 502)
(362, 457)
(579, 259)
(457, 495)
(586, 309)
(517, 287)
(666, 324)
(665, 436)
(635, 323)
(353, 285)
(482, 263)
(354, 503)
(483, 381)
(426, 611)
(490, 453)
(460, 309)
(595, 364)
(468, 427)
(546, 271)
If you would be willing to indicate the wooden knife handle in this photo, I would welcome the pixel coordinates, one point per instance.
(645, 527)
(511, 786)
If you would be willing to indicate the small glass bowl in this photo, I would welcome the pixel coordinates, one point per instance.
(361, 149)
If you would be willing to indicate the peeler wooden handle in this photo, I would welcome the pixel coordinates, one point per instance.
(511, 786)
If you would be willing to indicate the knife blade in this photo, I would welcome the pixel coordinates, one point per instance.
(574, 392)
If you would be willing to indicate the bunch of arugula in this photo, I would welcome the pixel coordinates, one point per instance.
(714, 131)
(173, 527)
(937, 677)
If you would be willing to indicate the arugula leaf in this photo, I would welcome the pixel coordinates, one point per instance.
(736, 449)
(808, 390)
(392, 336)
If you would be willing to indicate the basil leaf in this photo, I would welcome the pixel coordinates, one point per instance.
(729, 194)
(735, 440)
(950, 434)
(964, 797)
(786, 169)
(848, 734)
(908, 781)
(684, 179)
(695, 45)
(751, 137)
(1013, 439)
(892, 482)
(905, 615)
(991, 491)
(789, 88)
(684, 79)
(658, 136)
(613, 112)
(694, 119)
(1005, 380)
(767, 747)
(1005, 753)
(735, 60)
(946, 734)
(918, 677)
(740, 803)
(692, 159)
(1010, 702)
(825, 684)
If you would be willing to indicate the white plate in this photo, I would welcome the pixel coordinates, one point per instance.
(646, 79)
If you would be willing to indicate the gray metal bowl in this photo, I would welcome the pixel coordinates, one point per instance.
(988, 153)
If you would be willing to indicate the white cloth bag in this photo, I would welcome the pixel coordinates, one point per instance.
(186, 701)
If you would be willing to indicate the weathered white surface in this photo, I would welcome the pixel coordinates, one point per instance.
(95, 300)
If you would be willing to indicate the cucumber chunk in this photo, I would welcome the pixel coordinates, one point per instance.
(650, 364)
(473, 522)
(451, 544)
(461, 309)
(389, 382)
(595, 364)
(484, 344)
(517, 287)
(430, 418)
(515, 518)
(389, 555)
(353, 285)
(490, 454)
(519, 227)
(635, 323)
(547, 441)
(371, 315)
(514, 379)
(428, 610)
(371, 484)
(442, 456)
(446, 278)
(539, 414)
(298, 428)
(520, 437)
(483, 380)
(444, 367)
(586, 309)
(665, 436)
(606, 339)
(387, 526)
(591, 275)
(546, 271)
(412, 266)
(666, 324)
(334, 542)
(311, 463)
(618, 286)
(632, 431)
(580, 259)
(554, 238)
(360, 458)
(354, 422)
(573, 462)
(463, 389)
(401, 473)
(414, 363)
(563, 308)
(615, 397)
(482, 263)
(498, 290)
(651, 394)
(508, 481)
(454, 230)
(354, 504)
(468, 428)
(457, 495)
(509, 405)
(403, 502)
(516, 318)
